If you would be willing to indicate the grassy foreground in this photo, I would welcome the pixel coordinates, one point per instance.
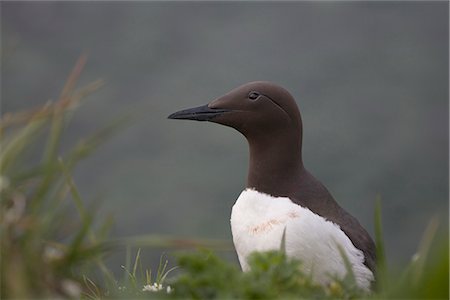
(47, 251)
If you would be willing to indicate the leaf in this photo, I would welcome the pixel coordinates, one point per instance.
(381, 269)
(283, 241)
(12, 151)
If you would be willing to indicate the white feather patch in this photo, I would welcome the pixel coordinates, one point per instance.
(258, 221)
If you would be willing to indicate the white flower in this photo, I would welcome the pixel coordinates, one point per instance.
(156, 287)
(152, 288)
(147, 287)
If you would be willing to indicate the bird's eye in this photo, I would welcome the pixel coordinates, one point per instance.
(253, 95)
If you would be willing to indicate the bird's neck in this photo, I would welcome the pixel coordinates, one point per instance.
(275, 166)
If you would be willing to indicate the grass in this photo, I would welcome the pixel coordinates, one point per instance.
(47, 251)
(273, 275)
(44, 247)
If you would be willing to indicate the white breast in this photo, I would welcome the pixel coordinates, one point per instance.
(258, 221)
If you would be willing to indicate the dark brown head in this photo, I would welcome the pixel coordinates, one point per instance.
(267, 115)
(257, 109)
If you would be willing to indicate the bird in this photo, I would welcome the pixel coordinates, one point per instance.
(283, 203)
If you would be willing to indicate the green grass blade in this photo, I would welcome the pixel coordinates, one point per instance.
(350, 276)
(110, 281)
(94, 292)
(75, 194)
(136, 262)
(381, 271)
(161, 269)
(12, 151)
(424, 249)
(283, 241)
(54, 137)
(127, 274)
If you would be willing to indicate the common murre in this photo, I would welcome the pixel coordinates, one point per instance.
(281, 195)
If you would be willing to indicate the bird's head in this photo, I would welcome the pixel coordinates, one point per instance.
(257, 109)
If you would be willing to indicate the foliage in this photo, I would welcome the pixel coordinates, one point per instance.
(52, 245)
(136, 283)
(273, 275)
(44, 247)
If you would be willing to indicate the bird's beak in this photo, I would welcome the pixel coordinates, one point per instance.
(200, 113)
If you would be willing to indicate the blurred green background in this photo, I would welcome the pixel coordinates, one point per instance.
(370, 78)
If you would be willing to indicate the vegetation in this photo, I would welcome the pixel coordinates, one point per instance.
(204, 275)
(47, 251)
